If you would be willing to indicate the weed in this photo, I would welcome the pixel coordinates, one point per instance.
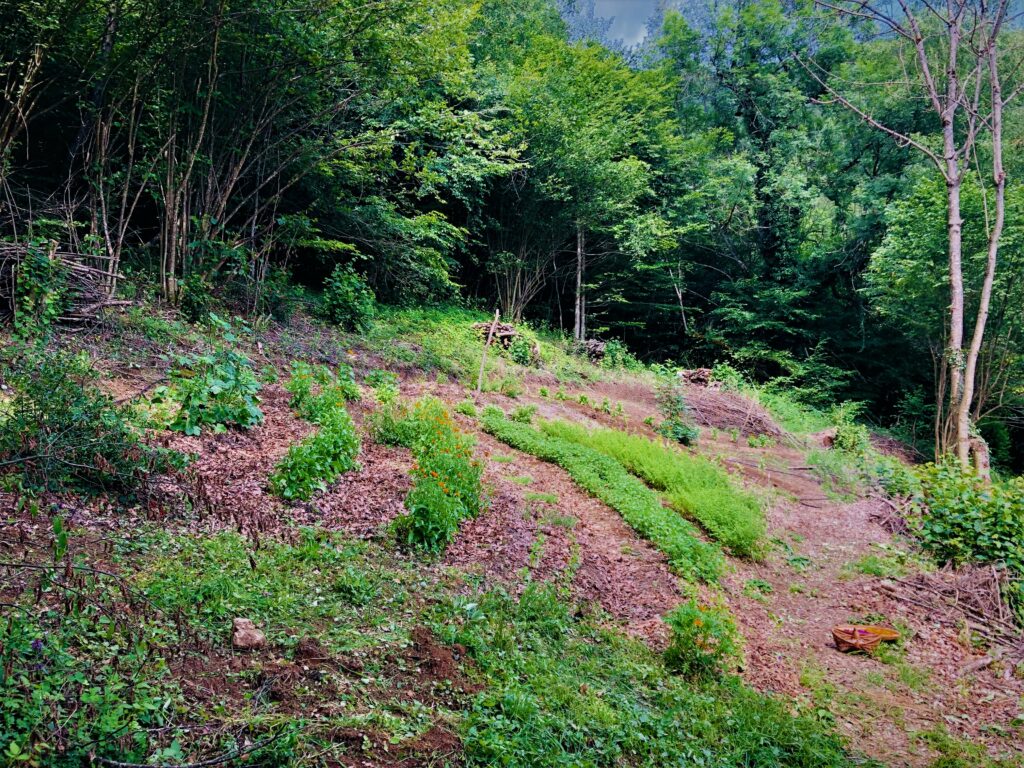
(523, 414)
(761, 441)
(521, 479)
(543, 392)
(348, 301)
(544, 498)
(466, 408)
(570, 692)
(758, 589)
(704, 641)
(58, 429)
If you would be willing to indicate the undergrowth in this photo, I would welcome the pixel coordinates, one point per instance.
(217, 389)
(565, 691)
(608, 480)
(318, 460)
(58, 430)
(446, 477)
(693, 485)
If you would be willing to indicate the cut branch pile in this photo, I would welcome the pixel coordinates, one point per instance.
(716, 409)
(973, 597)
(87, 285)
(504, 333)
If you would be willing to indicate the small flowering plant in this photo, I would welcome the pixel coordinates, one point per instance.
(446, 479)
(704, 640)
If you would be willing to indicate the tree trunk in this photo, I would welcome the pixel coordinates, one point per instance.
(579, 327)
(963, 424)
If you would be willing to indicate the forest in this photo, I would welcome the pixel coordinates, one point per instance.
(514, 394)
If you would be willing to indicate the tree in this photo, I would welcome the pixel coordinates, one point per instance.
(955, 52)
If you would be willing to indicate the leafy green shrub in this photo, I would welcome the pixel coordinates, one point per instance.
(968, 520)
(618, 356)
(693, 485)
(59, 429)
(218, 389)
(678, 430)
(728, 377)
(851, 437)
(523, 414)
(606, 479)
(40, 290)
(317, 461)
(348, 301)
(315, 389)
(195, 298)
(466, 408)
(521, 351)
(676, 424)
(446, 478)
(704, 640)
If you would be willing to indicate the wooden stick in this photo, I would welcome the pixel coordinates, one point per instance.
(483, 357)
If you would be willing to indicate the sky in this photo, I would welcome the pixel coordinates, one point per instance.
(630, 17)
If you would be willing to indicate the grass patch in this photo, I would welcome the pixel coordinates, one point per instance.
(605, 478)
(443, 339)
(693, 485)
(563, 692)
(521, 479)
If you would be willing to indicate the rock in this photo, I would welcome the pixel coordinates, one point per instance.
(245, 636)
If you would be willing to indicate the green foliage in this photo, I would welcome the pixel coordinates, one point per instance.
(217, 389)
(347, 301)
(523, 414)
(704, 641)
(967, 520)
(316, 389)
(55, 667)
(466, 408)
(676, 423)
(606, 479)
(562, 691)
(618, 357)
(195, 298)
(59, 430)
(521, 351)
(317, 461)
(693, 485)
(40, 290)
(446, 478)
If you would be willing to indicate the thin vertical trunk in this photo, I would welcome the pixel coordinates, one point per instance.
(579, 327)
(963, 437)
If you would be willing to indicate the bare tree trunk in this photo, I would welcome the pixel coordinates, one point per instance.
(579, 327)
(999, 177)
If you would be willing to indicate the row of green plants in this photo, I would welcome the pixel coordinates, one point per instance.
(693, 485)
(606, 479)
(319, 396)
(447, 487)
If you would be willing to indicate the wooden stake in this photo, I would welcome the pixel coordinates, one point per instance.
(483, 357)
